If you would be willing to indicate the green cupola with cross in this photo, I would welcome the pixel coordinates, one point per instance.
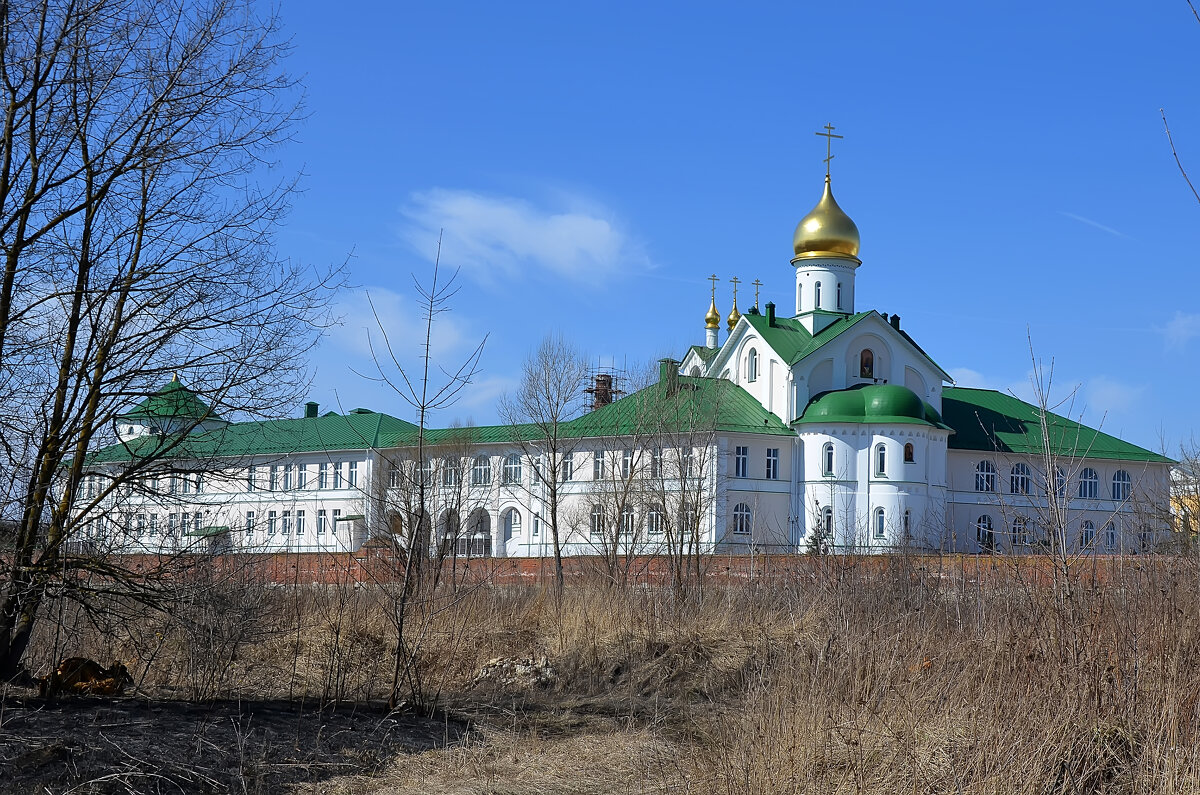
(825, 248)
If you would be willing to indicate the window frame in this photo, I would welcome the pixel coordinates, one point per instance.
(743, 519)
(772, 470)
(985, 477)
(741, 461)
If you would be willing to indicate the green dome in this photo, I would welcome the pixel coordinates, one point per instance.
(871, 403)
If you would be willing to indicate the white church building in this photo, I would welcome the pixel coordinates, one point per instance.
(829, 429)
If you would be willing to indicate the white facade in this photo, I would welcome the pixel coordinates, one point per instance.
(843, 447)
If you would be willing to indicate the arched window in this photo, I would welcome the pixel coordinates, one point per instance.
(597, 521)
(984, 534)
(451, 472)
(866, 364)
(512, 523)
(1087, 535)
(1018, 480)
(628, 521)
(909, 453)
(743, 517)
(1089, 484)
(880, 460)
(695, 371)
(752, 365)
(880, 523)
(1121, 485)
(1110, 536)
(827, 522)
(1020, 532)
(1060, 482)
(827, 459)
(907, 524)
(985, 476)
(512, 468)
(481, 471)
(817, 296)
(839, 296)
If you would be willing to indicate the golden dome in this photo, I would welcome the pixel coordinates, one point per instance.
(826, 231)
(734, 316)
(713, 318)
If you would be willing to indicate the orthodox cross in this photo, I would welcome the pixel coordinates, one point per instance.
(714, 279)
(735, 281)
(828, 136)
(756, 284)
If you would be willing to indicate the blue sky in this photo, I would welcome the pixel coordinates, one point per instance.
(592, 164)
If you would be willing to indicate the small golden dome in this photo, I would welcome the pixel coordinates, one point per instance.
(713, 318)
(826, 231)
(734, 316)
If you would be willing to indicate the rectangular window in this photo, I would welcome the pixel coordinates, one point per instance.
(251, 477)
(772, 463)
(199, 483)
(568, 467)
(688, 465)
(626, 463)
(153, 524)
(656, 463)
(286, 525)
(185, 484)
(302, 476)
(393, 475)
(741, 462)
(337, 474)
(322, 475)
(271, 523)
(654, 523)
(299, 523)
(172, 523)
(537, 525)
(249, 522)
(141, 524)
(598, 465)
(273, 478)
(322, 527)
(352, 479)
(287, 477)
(197, 522)
(337, 514)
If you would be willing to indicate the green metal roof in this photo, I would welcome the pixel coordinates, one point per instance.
(358, 430)
(986, 420)
(211, 530)
(871, 403)
(173, 401)
(705, 353)
(791, 339)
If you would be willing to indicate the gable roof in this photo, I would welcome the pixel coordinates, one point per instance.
(791, 340)
(991, 421)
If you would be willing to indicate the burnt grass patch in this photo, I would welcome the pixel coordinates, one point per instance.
(121, 745)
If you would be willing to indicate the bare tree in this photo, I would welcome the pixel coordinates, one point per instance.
(550, 394)
(136, 229)
(426, 388)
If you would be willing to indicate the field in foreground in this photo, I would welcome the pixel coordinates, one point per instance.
(838, 677)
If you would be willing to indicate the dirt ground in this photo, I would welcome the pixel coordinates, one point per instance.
(134, 744)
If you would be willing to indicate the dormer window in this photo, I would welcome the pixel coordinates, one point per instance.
(866, 364)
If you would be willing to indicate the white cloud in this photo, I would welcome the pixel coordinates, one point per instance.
(1181, 329)
(371, 312)
(965, 376)
(1108, 396)
(490, 236)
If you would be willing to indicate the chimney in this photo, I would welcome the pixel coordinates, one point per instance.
(771, 313)
(668, 374)
(896, 322)
(311, 408)
(602, 391)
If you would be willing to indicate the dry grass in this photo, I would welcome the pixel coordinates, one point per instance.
(844, 678)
